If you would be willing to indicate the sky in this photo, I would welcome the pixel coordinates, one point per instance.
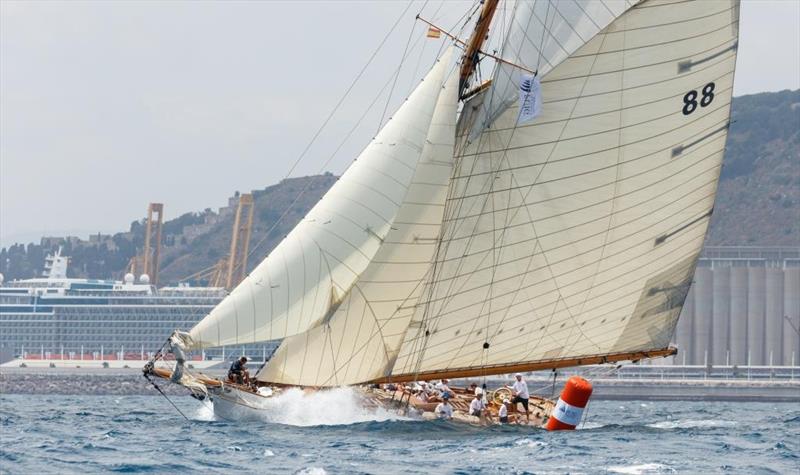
(107, 106)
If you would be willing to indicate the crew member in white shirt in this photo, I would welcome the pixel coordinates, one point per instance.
(521, 395)
(477, 406)
(444, 410)
(502, 413)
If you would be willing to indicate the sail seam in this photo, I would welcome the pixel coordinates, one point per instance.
(706, 184)
(593, 134)
(724, 44)
(593, 188)
(634, 106)
(634, 292)
(639, 243)
(653, 45)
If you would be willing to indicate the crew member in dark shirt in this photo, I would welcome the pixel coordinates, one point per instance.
(238, 372)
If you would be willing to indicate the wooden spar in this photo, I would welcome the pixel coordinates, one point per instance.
(167, 374)
(461, 42)
(475, 42)
(477, 90)
(446, 33)
(524, 367)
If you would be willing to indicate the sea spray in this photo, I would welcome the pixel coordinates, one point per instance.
(335, 406)
(204, 413)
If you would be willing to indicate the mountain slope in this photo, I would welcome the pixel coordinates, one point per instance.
(758, 202)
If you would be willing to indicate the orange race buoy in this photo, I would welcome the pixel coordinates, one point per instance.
(569, 409)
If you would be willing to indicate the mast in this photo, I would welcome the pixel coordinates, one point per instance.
(470, 60)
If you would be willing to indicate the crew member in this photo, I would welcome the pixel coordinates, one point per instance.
(444, 410)
(238, 372)
(502, 413)
(444, 389)
(521, 395)
(476, 407)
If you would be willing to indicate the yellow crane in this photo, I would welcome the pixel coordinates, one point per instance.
(230, 270)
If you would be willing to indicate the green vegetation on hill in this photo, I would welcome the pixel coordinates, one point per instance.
(758, 204)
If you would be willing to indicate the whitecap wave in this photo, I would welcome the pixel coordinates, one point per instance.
(691, 424)
(590, 425)
(534, 444)
(642, 469)
(312, 471)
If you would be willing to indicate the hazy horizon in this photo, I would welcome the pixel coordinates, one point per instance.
(105, 107)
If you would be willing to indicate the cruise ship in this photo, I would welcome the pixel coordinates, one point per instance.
(59, 318)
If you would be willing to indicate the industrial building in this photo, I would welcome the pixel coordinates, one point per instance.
(743, 309)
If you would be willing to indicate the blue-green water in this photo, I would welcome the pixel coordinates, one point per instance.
(142, 434)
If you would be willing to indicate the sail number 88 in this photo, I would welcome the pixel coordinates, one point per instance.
(690, 99)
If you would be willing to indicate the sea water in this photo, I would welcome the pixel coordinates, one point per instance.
(332, 433)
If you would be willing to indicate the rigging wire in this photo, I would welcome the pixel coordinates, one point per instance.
(327, 121)
(158, 388)
(311, 182)
(397, 73)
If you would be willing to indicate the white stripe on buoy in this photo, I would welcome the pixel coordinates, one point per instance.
(567, 413)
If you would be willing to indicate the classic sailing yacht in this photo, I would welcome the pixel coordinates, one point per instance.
(549, 217)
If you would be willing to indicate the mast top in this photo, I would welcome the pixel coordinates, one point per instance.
(479, 35)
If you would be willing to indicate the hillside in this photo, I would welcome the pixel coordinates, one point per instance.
(758, 205)
(191, 242)
(759, 195)
(270, 203)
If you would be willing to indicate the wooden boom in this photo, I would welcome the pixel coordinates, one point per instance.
(475, 42)
(524, 367)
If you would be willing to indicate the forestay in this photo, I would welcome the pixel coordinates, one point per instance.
(578, 233)
(303, 281)
(361, 339)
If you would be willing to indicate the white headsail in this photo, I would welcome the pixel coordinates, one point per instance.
(577, 234)
(361, 339)
(305, 278)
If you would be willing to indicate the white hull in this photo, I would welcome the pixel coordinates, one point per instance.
(235, 405)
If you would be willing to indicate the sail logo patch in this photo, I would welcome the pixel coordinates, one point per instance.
(530, 98)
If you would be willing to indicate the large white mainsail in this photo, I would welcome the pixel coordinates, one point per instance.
(577, 234)
(361, 339)
(305, 278)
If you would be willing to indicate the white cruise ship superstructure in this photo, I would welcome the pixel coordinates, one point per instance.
(55, 317)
